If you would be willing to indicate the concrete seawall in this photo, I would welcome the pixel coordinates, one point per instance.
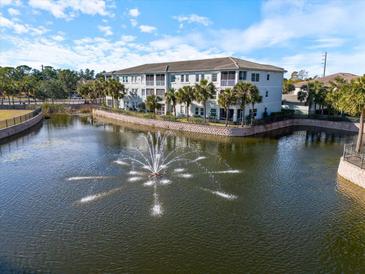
(225, 131)
(351, 173)
(10, 131)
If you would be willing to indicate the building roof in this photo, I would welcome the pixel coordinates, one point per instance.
(330, 78)
(223, 63)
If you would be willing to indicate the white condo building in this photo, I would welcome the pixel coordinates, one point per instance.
(144, 80)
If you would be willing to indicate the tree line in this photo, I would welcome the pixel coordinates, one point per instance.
(51, 83)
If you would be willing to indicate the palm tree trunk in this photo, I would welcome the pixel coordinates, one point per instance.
(187, 111)
(205, 112)
(226, 116)
(361, 131)
(242, 116)
(252, 114)
(9, 99)
(174, 106)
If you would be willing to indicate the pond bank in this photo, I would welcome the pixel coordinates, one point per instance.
(225, 131)
(18, 128)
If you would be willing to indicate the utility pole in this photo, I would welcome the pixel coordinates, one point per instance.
(324, 63)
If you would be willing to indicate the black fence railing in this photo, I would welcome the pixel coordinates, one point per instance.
(352, 156)
(19, 119)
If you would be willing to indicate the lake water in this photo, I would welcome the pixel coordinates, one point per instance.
(281, 210)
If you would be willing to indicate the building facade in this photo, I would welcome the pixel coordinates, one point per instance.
(148, 79)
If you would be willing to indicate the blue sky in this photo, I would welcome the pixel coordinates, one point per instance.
(111, 34)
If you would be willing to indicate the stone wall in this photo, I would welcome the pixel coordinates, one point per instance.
(351, 173)
(225, 131)
(7, 132)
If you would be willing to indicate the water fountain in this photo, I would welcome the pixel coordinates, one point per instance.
(154, 166)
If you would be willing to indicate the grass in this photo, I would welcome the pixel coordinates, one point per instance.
(11, 113)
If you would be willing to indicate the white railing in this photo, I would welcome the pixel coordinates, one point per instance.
(160, 83)
(150, 83)
(226, 83)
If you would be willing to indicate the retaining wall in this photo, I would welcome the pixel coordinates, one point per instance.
(9, 131)
(225, 131)
(351, 173)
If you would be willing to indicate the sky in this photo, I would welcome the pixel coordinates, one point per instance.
(115, 34)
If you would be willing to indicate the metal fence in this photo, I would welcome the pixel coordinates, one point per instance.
(352, 156)
(19, 119)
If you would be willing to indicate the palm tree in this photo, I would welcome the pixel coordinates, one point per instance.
(152, 103)
(185, 95)
(243, 91)
(302, 95)
(254, 97)
(334, 93)
(351, 99)
(203, 92)
(226, 98)
(115, 89)
(170, 97)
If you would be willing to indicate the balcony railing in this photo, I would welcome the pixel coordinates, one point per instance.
(150, 83)
(160, 82)
(225, 83)
(352, 156)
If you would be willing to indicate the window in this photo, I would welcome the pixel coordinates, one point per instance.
(173, 78)
(267, 94)
(160, 79)
(150, 80)
(255, 77)
(160, 92)
(228, 78)
(196, 77)
(182, 110)
(196, 111)
(214, 77)
(213, 113)
(182, 78)
(124, 79)
(254, 112)
(202, 76)
(187, 78)
(268, 77)
(149, 91)
(202, 111)
(242, 76)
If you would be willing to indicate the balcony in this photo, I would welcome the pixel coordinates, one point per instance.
(160, 82)
(227, 83)
(150, 83)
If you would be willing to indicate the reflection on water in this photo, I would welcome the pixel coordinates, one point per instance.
(265, 204)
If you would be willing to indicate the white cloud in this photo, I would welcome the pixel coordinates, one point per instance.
(328, 42)
(13, 12)
(21, 28)
(147, 28)
(192, 18)
(107, 30)
(134, 12)
(134, 22)
(58, 37)
(69, 8)
(9, 2)
(128, 38)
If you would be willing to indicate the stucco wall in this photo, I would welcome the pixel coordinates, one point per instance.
(351, 173)
(225, 131)
(7, 132)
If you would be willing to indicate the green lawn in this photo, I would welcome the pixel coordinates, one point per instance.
(11, 113)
